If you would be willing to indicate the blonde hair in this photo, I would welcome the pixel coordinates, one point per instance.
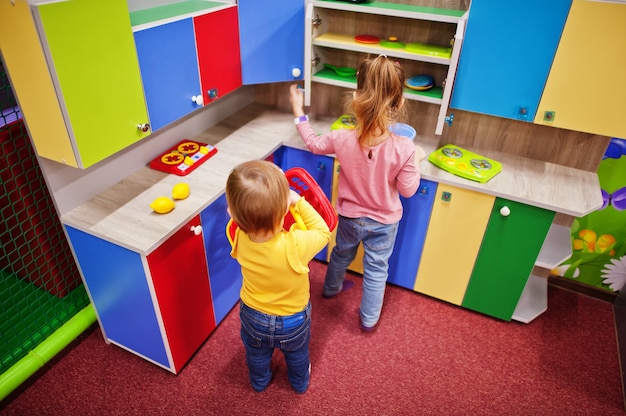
(257, 193)
(378, 101)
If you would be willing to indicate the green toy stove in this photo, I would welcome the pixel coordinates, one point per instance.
(466, 164)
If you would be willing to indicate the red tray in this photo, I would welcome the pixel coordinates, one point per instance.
(183, 158)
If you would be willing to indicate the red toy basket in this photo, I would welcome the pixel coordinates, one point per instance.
(303, 183)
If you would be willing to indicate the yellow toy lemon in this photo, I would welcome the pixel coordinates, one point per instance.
(162, 205)
(180, 191)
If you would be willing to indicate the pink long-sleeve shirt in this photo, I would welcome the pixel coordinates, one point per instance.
(368, 187)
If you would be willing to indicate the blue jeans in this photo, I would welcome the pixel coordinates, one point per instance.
(378, 242)
(262, 333)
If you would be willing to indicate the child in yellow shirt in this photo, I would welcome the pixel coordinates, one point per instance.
(275, 308)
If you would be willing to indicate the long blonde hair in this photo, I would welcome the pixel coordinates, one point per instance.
(257, 193)
(378, 100)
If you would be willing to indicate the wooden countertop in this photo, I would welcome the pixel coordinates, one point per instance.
(122, 214)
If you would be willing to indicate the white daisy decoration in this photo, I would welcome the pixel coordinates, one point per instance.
(614, 274)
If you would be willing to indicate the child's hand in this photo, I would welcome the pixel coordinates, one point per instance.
(294, 197)
(296, 98)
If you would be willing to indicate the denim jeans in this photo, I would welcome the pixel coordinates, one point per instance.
(262, 333)
(378, 242)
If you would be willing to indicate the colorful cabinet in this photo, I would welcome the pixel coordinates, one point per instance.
(76, 76)
(318, 166)
(186, 62)
(409, 244)
(272, 40)
(224, 271)
(157, 306)
(429, 42)
(357, 264)
(510, 247)
(457, 225)
(412, 230)
(180, 278)
(591, 51)
(507, 53)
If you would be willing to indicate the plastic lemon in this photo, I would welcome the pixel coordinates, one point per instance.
(180, 191)
(162, 205)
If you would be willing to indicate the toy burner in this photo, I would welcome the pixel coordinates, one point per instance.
(464, 163)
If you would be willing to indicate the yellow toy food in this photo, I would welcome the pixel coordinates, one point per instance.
(180, 190)
(162, 205)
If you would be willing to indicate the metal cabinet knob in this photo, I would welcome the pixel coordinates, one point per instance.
(144, 127)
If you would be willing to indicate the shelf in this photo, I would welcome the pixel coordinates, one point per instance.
(433, 54)
(327, 31)
(433, 14)
(534, 300)
(557, 247)
(330, 77)
(159, 15)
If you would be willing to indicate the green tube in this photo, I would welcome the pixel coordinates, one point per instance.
(44, 352)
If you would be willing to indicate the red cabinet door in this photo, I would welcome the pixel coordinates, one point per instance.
(181, 283)
(217, 39)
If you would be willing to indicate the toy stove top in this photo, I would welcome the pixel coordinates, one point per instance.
(183, 158)
(466, 164)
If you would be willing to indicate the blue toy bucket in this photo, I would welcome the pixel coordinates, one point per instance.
(402, 129)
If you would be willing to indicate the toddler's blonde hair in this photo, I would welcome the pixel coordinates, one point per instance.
(257, 193)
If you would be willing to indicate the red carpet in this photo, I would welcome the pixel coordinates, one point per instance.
(426, 358)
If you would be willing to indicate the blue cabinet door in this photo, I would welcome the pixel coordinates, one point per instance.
(407, 252)
(507, 52)
(318, 166)
(169, 71)
(120, 294)
(271, 36)
(224, 271)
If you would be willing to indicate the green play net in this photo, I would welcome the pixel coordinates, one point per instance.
(40, 286)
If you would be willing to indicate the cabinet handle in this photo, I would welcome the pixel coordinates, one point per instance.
(197, 99)
(317, 21)
(505, 211)
(144, 127)
(196, 229)
(296, 72)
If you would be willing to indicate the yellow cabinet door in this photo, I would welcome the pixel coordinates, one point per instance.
(586, 86)
(455, 233)
(25, 61)
(75, 73)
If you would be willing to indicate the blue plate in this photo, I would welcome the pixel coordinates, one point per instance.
(420, 82)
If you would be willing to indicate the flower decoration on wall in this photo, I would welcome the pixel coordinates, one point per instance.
(599, 238)
(614, 273)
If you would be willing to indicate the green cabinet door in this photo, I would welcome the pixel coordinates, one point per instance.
(509, 250)
(92, 59)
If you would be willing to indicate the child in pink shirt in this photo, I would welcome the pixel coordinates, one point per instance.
(377, 167)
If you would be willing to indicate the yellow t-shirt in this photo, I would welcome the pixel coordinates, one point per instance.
(275, 272)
